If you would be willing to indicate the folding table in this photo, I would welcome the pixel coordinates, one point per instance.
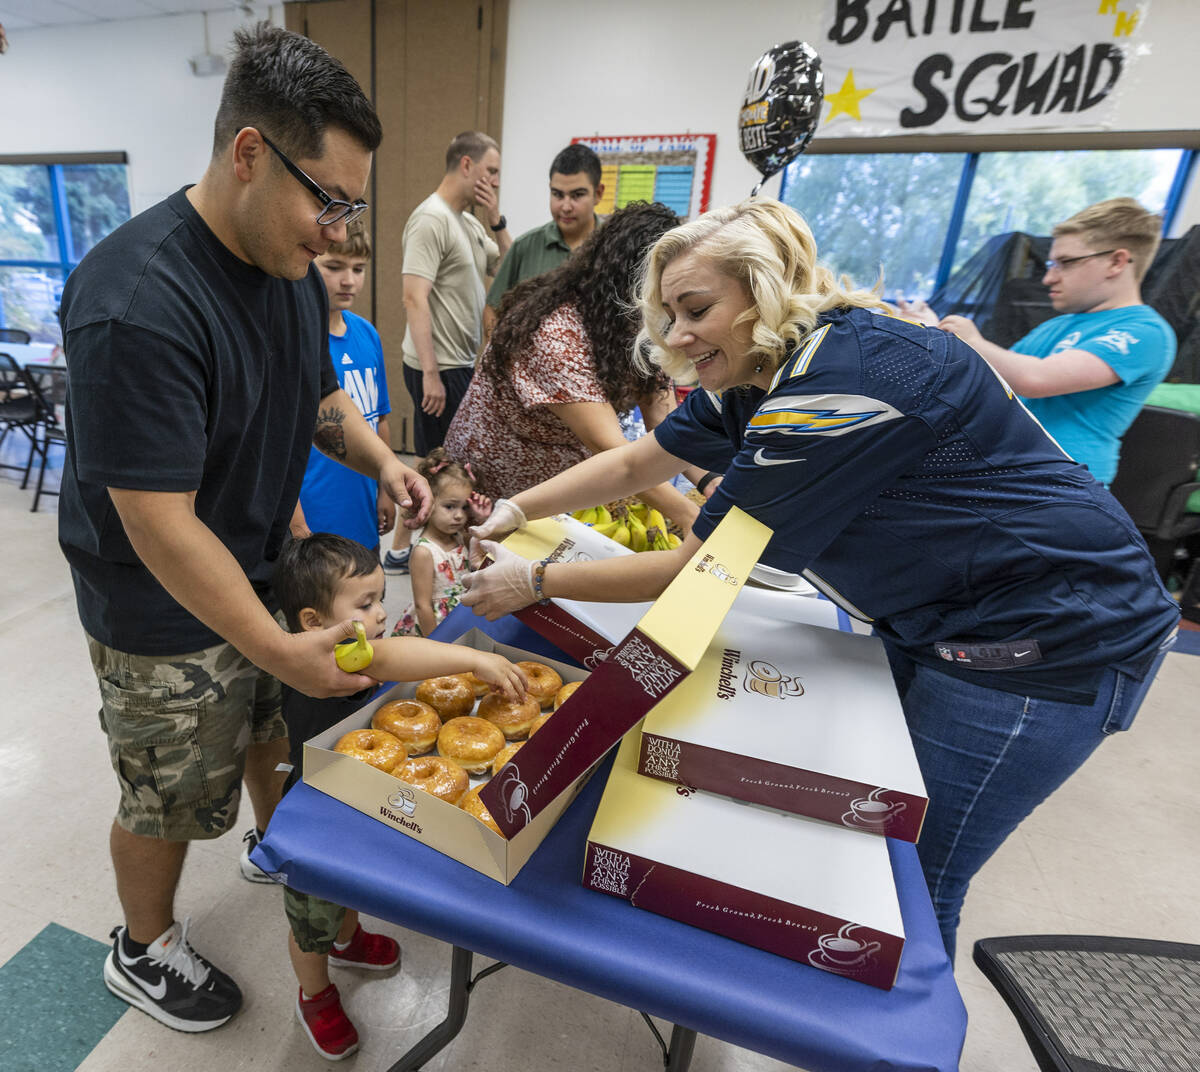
(546, 922)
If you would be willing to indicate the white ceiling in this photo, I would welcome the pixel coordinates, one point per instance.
(32, 14)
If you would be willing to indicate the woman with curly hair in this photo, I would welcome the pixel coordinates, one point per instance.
(560, 366)
(1018, 605)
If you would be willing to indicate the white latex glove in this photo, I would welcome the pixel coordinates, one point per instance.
(503, 586)
(506, 517)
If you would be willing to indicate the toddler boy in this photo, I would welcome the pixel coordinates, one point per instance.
(321, 581)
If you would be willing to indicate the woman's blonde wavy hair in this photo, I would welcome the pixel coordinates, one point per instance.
(768, 248)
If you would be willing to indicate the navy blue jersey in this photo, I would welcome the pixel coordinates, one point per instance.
(903, 478)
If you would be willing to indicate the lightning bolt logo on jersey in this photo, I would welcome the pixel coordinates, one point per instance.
(829, 415)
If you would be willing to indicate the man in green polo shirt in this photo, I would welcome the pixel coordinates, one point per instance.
(575, 189)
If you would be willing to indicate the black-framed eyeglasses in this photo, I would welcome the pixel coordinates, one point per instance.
(1066, 262)
(335, 210)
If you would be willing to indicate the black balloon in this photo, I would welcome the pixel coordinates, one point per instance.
(782, 106)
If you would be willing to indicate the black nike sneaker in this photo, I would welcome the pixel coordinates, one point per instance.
(172, 982)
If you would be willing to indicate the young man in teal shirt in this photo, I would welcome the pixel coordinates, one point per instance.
(1086, 373)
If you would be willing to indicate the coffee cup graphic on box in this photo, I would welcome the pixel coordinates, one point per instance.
(843, 952)
(872, 810)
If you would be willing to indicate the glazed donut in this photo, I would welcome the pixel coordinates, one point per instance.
(381, 750)
(539, 722)
(470, 742)
(478, 685)
(505, 754)
(414, 724)
(543, 682)
(449, 696)
(564, 693)
(511, 717)
(471, 804)
(434, 775)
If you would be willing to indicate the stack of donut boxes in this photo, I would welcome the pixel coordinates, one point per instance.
(763, 762)
(755, 791)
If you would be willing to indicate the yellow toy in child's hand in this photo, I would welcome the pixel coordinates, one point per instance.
(354, 655)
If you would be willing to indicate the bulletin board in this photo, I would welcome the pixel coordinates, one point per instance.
(674, 169)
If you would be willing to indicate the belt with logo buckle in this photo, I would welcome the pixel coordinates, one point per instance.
(998, 655)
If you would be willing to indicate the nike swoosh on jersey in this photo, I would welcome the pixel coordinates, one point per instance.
(761, 459)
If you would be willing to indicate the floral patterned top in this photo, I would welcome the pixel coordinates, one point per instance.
(449, 569)
(505, 430)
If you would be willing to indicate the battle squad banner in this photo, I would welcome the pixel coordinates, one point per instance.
(976, 66)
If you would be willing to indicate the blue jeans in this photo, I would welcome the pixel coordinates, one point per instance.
(989, 758)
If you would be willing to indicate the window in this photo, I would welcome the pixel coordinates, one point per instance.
(920, 215)
(868, 211)
(50, 216)
(1032, 191)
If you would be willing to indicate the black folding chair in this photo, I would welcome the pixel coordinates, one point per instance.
(18, 412)
(15, 335)
(48, 387)
(1093, 1004)
(1158, 474)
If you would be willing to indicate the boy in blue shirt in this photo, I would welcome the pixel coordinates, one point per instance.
(1085, 374)
(334, 498)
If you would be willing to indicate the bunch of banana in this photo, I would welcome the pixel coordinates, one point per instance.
(657, 535)
(616, 530)
(636, 526)
(593, 515)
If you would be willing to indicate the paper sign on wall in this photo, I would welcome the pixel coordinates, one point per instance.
(976, 66)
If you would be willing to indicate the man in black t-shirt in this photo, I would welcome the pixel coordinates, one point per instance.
(199, 376)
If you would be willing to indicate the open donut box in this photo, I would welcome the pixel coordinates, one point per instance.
(626, 679)
(404, 807)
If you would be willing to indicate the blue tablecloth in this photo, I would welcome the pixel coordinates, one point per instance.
(546, 922)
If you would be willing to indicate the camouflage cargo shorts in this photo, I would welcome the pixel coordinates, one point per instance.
(178, 728)
(315, 923)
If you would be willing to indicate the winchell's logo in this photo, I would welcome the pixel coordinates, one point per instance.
(765, 679)
(708, 564)
(726, 677)
(405, 802)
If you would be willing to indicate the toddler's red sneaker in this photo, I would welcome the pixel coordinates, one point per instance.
(372, 952)
(326, 1024)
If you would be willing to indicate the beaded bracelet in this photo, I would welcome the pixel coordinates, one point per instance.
(539, 578)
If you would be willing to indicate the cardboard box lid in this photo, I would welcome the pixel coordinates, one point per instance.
(842, 873)
(568, 540)
(800, 696)
(634, 674)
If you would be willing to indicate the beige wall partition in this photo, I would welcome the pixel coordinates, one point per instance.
(432, 70)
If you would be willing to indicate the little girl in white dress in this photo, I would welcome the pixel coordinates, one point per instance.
(438, 562)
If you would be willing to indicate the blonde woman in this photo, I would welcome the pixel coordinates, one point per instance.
(1019, 607)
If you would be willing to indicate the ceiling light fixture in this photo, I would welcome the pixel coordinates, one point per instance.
(206, 63)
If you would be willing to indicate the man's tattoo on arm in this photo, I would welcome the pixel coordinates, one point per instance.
(329, 437)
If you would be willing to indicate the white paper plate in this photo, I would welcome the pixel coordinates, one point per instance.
(781, 581)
